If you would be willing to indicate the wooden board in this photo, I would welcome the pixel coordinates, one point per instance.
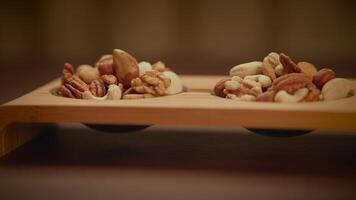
(195, 107)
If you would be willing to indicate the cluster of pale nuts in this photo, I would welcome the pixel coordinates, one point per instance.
(118, 76)
(279, 79)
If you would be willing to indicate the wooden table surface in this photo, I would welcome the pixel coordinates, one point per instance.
(165, 162)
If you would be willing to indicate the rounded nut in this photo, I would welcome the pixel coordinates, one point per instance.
(242, 70)
(336, 88)
(144, 67)
(288, 64)
(176, 85)
(105, 65)
(87, 73)
(125, 67)
(219, 88)
(307, 68)
(323, 76)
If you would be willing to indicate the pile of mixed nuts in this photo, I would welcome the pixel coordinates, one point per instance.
(118, 76)
(279, 79)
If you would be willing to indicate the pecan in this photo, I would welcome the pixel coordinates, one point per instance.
(109, 79)
(288, 64)
(323, 76)
(64, 92)
(219, 88)
(67, 71)
(76, 86)
(152, 82)
(97, 88)
(291, 82)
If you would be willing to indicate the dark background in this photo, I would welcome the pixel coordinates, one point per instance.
(194, 37)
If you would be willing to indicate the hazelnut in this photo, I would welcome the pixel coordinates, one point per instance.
(87, 73)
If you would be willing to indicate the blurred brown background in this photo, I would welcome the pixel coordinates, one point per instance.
(194, 37)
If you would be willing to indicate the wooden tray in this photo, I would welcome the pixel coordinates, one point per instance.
(195, 107)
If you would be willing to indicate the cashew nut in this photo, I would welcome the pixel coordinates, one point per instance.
(273, 58)
(245, 97)
(284, 97)
(242, 70)
(263, 79)
(336, 88)
(114, 93)
(144, 67)
(232, 85)
(88, 73)
(279, 70)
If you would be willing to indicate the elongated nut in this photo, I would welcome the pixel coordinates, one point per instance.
(291, 82)
(67, 72)
(288, 64)
(87, 73)
(176, 85)
(323, 76)
(307, 68)
(336, 88)
(114, 93)
(242, 70)
(284, 97)
(219, 88)
(97, 88)
(125, 67)
(105, 65)
(144, 67)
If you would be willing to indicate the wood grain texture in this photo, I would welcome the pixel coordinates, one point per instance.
(196, 106)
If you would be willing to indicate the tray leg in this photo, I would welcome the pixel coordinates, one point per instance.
(14, 135)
